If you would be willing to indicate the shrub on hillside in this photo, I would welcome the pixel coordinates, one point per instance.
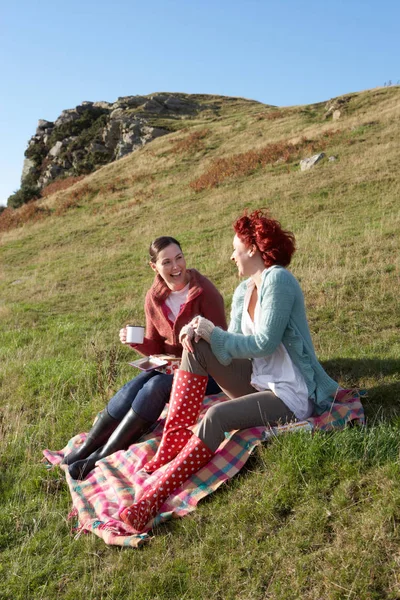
(83, 192)
(192, 143)
(31, 212)
(25, 194)
(91, 133)
(241, 165)
(36, 152)
(73, 128)
(86, 130)
(59, 184)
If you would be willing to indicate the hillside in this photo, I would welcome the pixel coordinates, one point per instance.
(311, 516)
(93, 134)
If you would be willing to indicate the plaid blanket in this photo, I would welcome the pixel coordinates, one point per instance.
(118, 479)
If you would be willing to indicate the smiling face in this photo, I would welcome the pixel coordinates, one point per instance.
(243, 257)
(171, 266)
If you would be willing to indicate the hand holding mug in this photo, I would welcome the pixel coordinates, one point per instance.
(134, 334)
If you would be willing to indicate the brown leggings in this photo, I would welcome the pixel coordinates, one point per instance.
(247, 407)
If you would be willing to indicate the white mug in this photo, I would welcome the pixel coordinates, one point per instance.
(134, 334)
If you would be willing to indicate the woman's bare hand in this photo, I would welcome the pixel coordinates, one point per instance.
(186, 338)
(122, 335)
(186, 342)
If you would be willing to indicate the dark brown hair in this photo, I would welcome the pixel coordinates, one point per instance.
(159, 244)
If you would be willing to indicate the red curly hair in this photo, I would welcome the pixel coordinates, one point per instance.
(274, 243)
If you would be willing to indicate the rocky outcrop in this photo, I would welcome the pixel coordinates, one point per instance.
(336, 107)
(308, 163)
(95, 133)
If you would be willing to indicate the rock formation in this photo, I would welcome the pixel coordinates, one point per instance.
(95, 133)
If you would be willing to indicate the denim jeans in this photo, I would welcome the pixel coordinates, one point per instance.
(147, 394)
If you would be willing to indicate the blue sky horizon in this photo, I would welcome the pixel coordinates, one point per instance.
(53, 57)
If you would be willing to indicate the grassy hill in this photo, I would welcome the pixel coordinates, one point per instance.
(311, 517)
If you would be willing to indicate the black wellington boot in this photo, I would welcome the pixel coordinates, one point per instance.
(96, 438)
(130, 430)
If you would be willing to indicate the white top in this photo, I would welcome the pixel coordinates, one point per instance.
(175, 301)
(276, 372)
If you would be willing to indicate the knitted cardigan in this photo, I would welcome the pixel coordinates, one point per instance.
(283, 319)
(162, 336)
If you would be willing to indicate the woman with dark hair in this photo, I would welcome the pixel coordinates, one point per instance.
(176, 296)
(265, 363)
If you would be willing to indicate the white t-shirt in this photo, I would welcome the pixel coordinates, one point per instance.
(276, 372)
(175, 301)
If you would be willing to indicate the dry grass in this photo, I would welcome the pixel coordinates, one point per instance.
(28, 213)
(59, 184)
(193, 142)
(244, 164)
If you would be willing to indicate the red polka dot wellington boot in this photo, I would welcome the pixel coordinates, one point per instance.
(189, 460)
(185, 402)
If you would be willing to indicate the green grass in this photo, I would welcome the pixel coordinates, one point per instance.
(310, 516)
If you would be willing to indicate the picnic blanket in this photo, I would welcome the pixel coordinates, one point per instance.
(118, 479)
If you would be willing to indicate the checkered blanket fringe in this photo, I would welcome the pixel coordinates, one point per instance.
(118, 479)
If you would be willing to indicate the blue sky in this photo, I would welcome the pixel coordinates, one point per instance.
(54, 55)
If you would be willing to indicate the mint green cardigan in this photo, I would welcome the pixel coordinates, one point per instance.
(283, 319)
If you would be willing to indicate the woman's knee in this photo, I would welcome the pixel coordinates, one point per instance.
(202, 350)
(152, 398)
(210, 429)
(160, 384)
(213, 416)
(198, 358)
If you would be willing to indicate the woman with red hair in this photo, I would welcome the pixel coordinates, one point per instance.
(265, 363)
